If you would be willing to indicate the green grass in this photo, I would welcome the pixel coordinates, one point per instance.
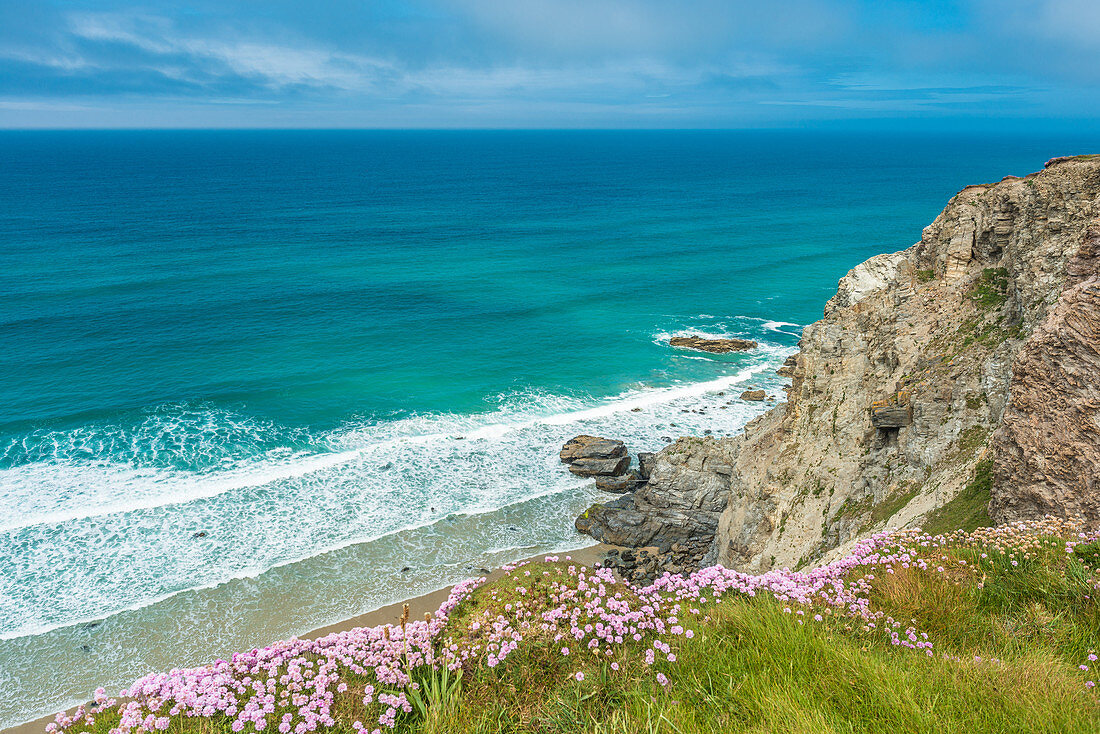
(890, 505)
(1010, 621)
(967, 511)
(751, 668)
(991, 290)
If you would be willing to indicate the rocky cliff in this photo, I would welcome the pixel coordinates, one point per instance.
(951, 382)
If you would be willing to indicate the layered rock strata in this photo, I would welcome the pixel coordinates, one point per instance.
(592, 456)
(680, 503)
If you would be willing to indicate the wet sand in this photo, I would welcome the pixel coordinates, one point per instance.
(390, 613)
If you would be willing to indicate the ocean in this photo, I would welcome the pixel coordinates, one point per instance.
(253, 383)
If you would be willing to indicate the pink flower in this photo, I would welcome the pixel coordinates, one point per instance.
(579, 676)
(662, 679)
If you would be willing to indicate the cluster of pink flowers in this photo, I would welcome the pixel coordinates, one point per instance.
(292, 686)
(1087, 667)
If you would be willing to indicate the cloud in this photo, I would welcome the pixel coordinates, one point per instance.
(710, 62)
(163, 48)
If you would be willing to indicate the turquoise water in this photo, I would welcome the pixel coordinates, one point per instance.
(340, 354)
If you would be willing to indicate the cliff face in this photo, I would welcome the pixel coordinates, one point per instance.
(1047, 446)
(963, 369)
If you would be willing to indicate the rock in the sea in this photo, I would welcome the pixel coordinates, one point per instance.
(753, 396)
(592, 456)
(621, 484)
(591, 447)
(714, 346)
(600, 467)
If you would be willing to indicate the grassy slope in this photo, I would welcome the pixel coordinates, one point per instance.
(751, 667)
(1008, 640)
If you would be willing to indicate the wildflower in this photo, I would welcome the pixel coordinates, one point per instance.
(579, 676)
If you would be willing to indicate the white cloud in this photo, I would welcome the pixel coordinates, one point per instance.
(276, 65)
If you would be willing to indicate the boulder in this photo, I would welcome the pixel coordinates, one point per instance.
(753, 396)
(612, 467)
(591, 447)
(714, 346)
(686, 492)
(646, 462)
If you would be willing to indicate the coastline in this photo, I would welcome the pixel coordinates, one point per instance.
(388, 614)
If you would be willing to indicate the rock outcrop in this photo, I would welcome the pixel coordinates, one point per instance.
(680, 503)
(621, 484)
(714, 346)
(753, 396)
(1048, 443)
(591, 456)
(972, 354)
(787, 368)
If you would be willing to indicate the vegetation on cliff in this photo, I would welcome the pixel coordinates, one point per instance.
(990, 630)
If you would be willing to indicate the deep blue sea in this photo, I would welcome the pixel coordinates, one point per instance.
(340, 354)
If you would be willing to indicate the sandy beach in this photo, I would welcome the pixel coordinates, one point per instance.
(389, 614)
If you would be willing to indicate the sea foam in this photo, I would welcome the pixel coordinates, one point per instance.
(132, 524)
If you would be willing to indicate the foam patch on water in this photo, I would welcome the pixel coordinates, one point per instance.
(738, 327)
(100, 522)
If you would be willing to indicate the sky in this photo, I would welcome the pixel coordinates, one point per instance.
(1000, 64)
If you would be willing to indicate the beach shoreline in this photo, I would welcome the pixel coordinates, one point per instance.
(389, 614)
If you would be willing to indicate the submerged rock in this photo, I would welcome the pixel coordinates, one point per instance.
(714, 346)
